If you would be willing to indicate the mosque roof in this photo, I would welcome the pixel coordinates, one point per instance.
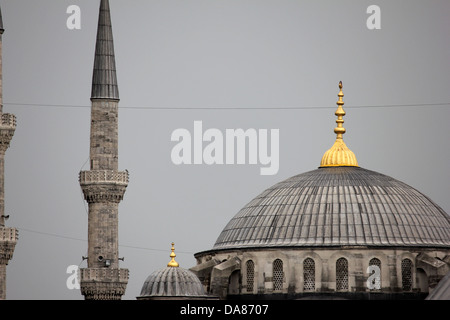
(338, 204)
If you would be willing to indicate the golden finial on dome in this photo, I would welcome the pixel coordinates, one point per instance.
(339, 154)
(172, 262)
(339, 130)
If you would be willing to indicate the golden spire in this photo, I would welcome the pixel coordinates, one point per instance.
(339, 154)
(339, 130)
(172, 262)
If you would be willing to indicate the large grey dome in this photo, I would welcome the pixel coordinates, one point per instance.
(172, 282)
(338, 206)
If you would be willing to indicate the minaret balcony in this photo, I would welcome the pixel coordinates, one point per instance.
(7, 128)
(9, 121)
(103, 283)
(104, 177)
(103, 185)
(8, 240)
(104, 274)
(9, 234)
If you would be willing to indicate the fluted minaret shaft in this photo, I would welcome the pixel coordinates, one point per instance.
(8, 236)
(103, 185)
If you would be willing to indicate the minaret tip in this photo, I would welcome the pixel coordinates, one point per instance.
(104, 79)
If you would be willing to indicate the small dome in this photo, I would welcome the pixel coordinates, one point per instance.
(172, 282)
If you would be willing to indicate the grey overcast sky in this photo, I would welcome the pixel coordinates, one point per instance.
(224, 54)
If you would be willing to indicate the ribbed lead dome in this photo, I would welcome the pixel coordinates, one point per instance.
(172, 282)
(338, 206)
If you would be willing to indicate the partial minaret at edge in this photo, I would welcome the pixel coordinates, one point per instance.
(8, 236)
(103, 185)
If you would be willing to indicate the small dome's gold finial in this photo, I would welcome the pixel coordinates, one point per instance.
(172, 262)
(339, 154)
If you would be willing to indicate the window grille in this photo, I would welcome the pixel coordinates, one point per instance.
(250, 275)
(278, 275)
(406, 275)
(309, 275)
(376, 281)
(341, 274)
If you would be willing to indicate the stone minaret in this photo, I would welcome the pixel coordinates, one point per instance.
(103, 185)
(8, 236)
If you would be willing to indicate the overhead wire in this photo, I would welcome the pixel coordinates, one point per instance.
(232, 107)
(84, 240)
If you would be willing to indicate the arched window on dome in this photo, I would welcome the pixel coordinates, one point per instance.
(309, 275)
(250, 266)
(376, 280)
(278, 275)
(341, 274)
(406, 275)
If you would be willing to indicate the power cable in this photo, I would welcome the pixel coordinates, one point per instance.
(84, 240)
(235, 108)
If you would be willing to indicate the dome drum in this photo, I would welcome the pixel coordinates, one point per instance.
(259, 283)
